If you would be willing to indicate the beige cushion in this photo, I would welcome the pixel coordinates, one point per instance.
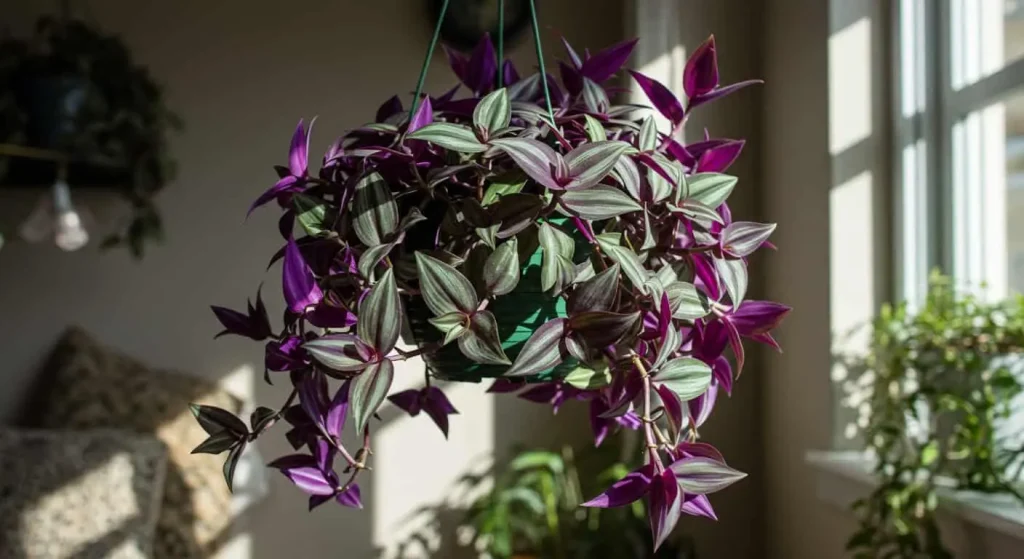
(89, 385)
(79, 494)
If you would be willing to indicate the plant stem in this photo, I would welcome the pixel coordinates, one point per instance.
(652, 443)
(540, 61)
(501, 43)
(426, 60)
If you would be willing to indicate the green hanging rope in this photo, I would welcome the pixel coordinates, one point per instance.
(540, 61)
(426, 61)
(501, 43)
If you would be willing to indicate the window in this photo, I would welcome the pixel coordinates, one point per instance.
(958, 110)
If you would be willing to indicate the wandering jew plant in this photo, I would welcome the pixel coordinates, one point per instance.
(530, 231)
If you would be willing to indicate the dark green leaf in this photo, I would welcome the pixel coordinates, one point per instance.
(538, 459)
(627, 260)
(213, 419)
(231, 463)
(710, 189)
(444, 288)
(372, 256)
(501, 271)
(380, 315)
(667, 347)
(493, 112)
(454, 325)
(376, 213)
(504, 186)
(599, 202)
(454, 137)
(482, 342)
(369, 390)
(260, 418)
(516, 212)
(542, 351)
(489, 235)
(601, 328)
(627, 173)
(686, 377)
(557, 268)
(218, 442)
(597, 293)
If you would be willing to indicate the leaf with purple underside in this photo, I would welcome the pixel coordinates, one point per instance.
(369, 390)
(380, 315)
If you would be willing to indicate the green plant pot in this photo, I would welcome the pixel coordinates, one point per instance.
(519, 314)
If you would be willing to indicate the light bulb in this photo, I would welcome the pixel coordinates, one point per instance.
(70, 234)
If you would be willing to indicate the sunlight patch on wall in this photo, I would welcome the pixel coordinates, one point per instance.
(850, 83)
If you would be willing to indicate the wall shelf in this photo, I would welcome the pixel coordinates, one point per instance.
(32, 167)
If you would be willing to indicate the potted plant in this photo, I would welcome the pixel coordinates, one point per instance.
(75, 90)
(934, 388)
(531, 231)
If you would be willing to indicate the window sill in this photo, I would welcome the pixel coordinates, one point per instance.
(843, 477)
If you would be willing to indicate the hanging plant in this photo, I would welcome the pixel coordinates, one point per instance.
(936, 385)
(74, 90)
(531, 231)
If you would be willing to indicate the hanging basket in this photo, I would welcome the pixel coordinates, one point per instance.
(519, 315)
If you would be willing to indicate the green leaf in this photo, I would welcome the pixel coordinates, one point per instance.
(597, 293)
(311, 213)
(741, 238)
(482, 342)
(602, 328)
(525, 496)
(454, 325)
(542, 351)
(444, 288)
(700, 475)
(594, 129)
(538, 459)
(217, 443)
(590, 163)
(489, 235)
(673, 339)
(376, 213)
(493, 112)
(710, 189)
(661, 188)
(516, 212)
(506, 185)
(501, 270)
(557, 268)
(687, 302)
(372, 256)
(214, 420)
(698, 212)
(368, 391)
(599, 202)
(628, 174)
(231, 463)
(338, 352)
(626, 259)
(453, 137)
(930, 453)
(734, 275)
(380, 315)
(589, 377)
(648, 137)
(686, 377)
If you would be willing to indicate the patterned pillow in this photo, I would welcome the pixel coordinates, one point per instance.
(88, 385)
(89, 494)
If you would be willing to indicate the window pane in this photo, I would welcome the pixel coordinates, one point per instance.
(1014, 224)
(987, 36)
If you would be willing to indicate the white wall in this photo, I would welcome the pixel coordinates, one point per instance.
(241, 74)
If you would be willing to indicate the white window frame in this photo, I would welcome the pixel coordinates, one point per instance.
(950, 200)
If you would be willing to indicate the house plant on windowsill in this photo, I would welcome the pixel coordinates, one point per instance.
(934, 388)
(531, 231)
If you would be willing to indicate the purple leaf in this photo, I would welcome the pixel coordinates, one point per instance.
(424, 115)
(606, 63)
(701, 406)
(700, 75)
(509, 74)
(410, 401)
(380, 315)
(482, 67)
(736, 344)
(286, 355)
(445, 289)
(504, 386)
(336, 412)
(700, 475)
(458, 64)
(664, 316)
(298, 153)
(303, 471)
(758, 317)
(723, 374)
(300, 287)
(542, 351)
(719, 158)
(437, 406)
(625, 491)
(689, 450)
(571, 78)
(601, 328)
(389, 108)
(235, 322)
(369, 390)
(660, 96)
(577, 62)
(534, 157)
(673, 408)
(350, 497)
(452, 137)
(722, 92)
(699, 505)
(282, 186)
(663, 507)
